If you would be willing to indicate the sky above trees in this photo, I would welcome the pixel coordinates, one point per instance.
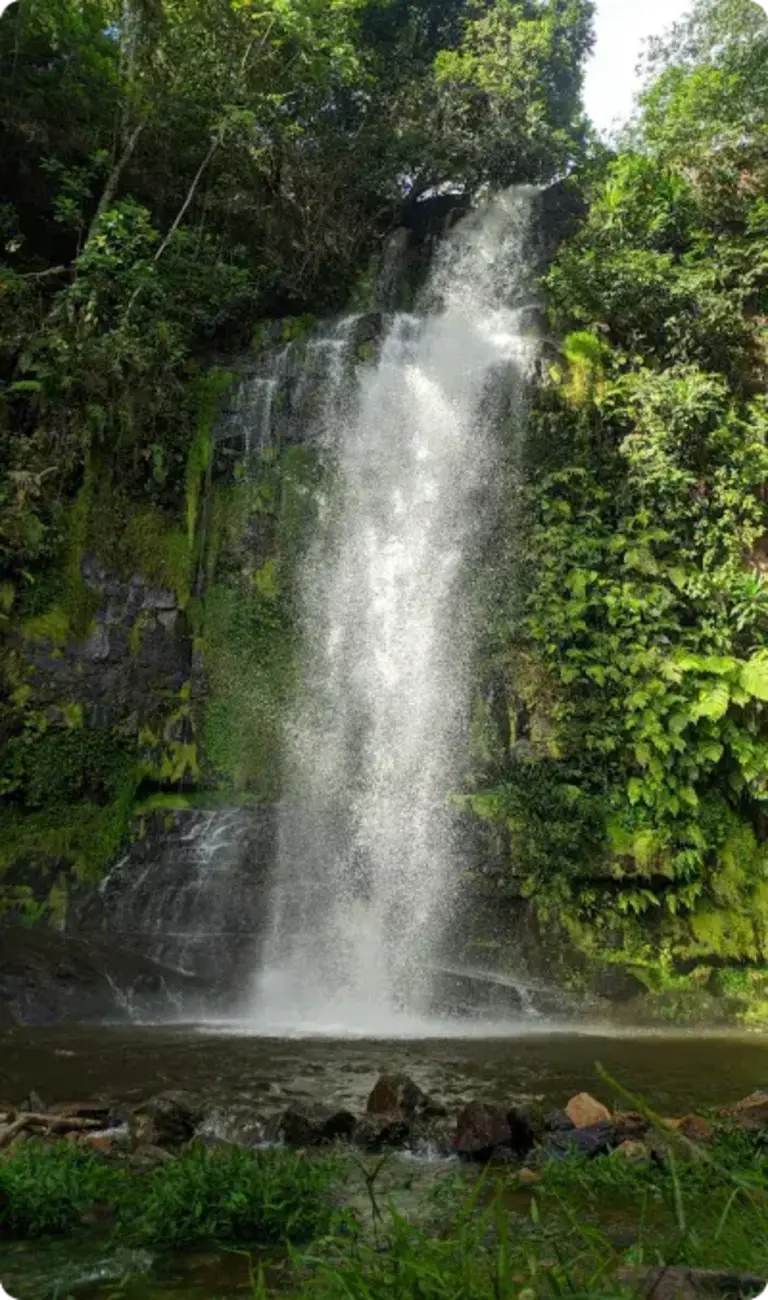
(622, 27)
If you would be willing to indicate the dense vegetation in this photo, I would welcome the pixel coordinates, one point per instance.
(637, 810)
(176, 173)
(171, 174)
(584, 1227)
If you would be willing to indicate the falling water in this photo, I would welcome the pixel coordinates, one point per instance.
(368, 863)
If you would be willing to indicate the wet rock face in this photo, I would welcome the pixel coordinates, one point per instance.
(48, 978)
(190, 895)
(137, 654)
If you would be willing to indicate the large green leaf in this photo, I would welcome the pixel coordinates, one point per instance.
(754, 677)
(712, 702)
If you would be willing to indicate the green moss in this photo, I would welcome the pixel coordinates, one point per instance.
(209, 392)
(7, 597)
(158, 551)
(245, 623)
(250, 662)
(755, 1014)
(170, 802)
(77, 843)
(723, 933)
(56, 904)
(637, 849)
(70, 617)
(170, 756)
(486, 744)
(52, 627)
(69, 793)
(295, 327)
(72, 715)
(80, 601)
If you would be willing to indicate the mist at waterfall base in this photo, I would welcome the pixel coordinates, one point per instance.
(368, 870)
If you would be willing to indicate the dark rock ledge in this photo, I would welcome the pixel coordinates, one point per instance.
(50, 978)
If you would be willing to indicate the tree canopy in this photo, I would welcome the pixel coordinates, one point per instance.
(171, 170)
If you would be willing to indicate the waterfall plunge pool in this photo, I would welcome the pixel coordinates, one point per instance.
(258, 1075)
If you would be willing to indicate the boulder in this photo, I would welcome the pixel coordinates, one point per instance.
(397, 1094)
(311, 1124)
(585, 1111)
(630, 1125)
(484, 1131)
(376, 1133)
(168, 1120)
(681, 1283)
(749, 1114)
(558, 1122)
(663, 1143)
(109, 1141)
(221, 1128)
(480, 1130)
(596, 1140)
(694, 1127)
(633, 1152)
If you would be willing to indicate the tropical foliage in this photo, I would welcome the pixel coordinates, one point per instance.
(173, 173)
(648, 591)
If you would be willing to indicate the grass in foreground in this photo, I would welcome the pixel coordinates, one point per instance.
(231, 1197)
(267, 1197)
(584, 1228)
(585, 1231)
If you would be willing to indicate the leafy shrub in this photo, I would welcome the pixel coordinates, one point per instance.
(264, 1197)
(47, 1189)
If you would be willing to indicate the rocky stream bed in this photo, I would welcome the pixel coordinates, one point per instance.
(424, 1137)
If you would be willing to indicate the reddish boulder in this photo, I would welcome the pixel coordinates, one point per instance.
(585, 1111)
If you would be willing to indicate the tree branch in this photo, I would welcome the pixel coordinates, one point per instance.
(190, 195)
(110, 189)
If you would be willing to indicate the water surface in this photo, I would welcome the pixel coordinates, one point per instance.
(674, 1070)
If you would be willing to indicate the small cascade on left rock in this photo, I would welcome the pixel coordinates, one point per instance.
(189, 896)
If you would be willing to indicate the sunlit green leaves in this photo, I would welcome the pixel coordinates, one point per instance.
(754, 677)
(648, 602)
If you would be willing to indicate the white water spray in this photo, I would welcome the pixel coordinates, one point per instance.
(367, 867)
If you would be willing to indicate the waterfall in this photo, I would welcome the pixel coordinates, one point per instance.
(368, 863)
